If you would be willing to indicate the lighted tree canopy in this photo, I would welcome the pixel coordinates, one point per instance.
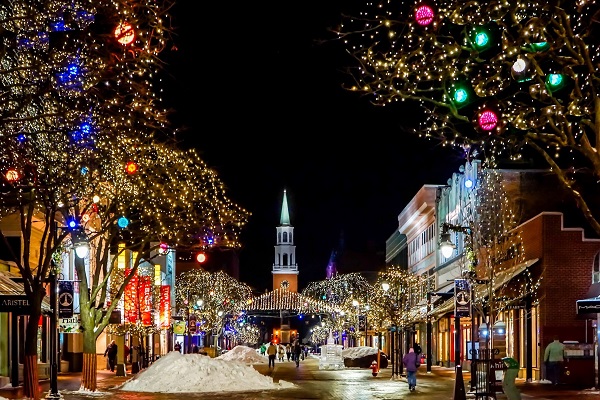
(499, 77)
(85, 141)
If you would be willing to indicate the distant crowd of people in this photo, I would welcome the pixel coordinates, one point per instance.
(293, 351)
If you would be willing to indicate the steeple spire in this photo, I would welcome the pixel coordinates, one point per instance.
(285, 214)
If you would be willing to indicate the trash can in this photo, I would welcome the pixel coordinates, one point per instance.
(508, 383)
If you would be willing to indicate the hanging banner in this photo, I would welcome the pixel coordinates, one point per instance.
(462, 298)
(165, 307)
(179, 327)
(145, 292)
(65, 299)
(130, 299)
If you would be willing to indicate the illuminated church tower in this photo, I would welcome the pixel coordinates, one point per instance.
(285, 269)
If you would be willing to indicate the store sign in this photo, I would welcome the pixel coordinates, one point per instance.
(588, 306)
(18, 304)
(70, 325)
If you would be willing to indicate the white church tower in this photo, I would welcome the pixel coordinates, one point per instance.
(285, 268)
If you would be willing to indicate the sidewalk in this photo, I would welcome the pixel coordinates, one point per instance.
(440, 381)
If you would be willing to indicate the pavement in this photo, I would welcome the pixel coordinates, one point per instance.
(311, 382)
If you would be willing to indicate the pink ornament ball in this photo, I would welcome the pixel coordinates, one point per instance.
(424, 15)
(488, 120)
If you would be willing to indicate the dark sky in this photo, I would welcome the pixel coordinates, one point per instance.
(257, 87)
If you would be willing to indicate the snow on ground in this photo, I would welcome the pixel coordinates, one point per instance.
(185, 373)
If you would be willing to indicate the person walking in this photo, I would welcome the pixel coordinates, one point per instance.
(288, 351)
(177, 347)
(263, 349)
(272, 353)
(411, 363)
(281, 352)
(111, 353)
(554, 356)
(297, 352)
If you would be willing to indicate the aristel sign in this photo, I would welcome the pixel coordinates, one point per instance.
(18, 304)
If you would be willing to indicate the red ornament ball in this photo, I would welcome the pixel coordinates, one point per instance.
(131, 167)
(424, 15)
(488, 120)
(124, 33)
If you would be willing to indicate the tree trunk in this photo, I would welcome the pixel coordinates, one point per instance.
(88, 376)
(31, 387)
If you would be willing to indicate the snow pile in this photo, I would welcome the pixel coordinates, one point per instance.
(358, 352)
(184, 373)
(245, 354)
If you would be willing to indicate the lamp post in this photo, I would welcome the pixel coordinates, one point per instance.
(53, 393)
(447, 248)
(81, 246)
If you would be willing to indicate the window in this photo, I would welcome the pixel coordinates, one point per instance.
(596, 271)
(285, 237)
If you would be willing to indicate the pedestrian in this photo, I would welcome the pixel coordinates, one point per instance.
(288, 351)
(281, 352)
(554, 356)
(297, 352)
(411, 363)
(126, 353)
(195, 349)
(177, 347)
(111, 352)
(272, 353)
(305, 352)
(263, 349)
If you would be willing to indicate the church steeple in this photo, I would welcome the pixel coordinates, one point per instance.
(285, 268)
(285, 213)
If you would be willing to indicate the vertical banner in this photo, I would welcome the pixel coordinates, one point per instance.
(65, 299)
(130, 299)
(462, 298)
(165, 306)
(146, 299)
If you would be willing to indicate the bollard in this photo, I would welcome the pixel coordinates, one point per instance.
(508, 383)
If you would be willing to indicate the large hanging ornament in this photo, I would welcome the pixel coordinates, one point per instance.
(424, 15)
(487, 120)
(124, 33)
(12, 175)
(131, 167)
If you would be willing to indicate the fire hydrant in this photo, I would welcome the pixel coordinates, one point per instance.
(374, 368)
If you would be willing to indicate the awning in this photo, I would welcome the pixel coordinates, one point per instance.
(8, 286)
(591, 304)
(500, 279)
(503, 277)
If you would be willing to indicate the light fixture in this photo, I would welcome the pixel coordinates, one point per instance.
(446, 245)
(499, 327)
(483, 330)
(82, 248)
(385, 286)
(80, 243)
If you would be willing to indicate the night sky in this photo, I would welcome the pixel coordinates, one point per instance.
(256, 88)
